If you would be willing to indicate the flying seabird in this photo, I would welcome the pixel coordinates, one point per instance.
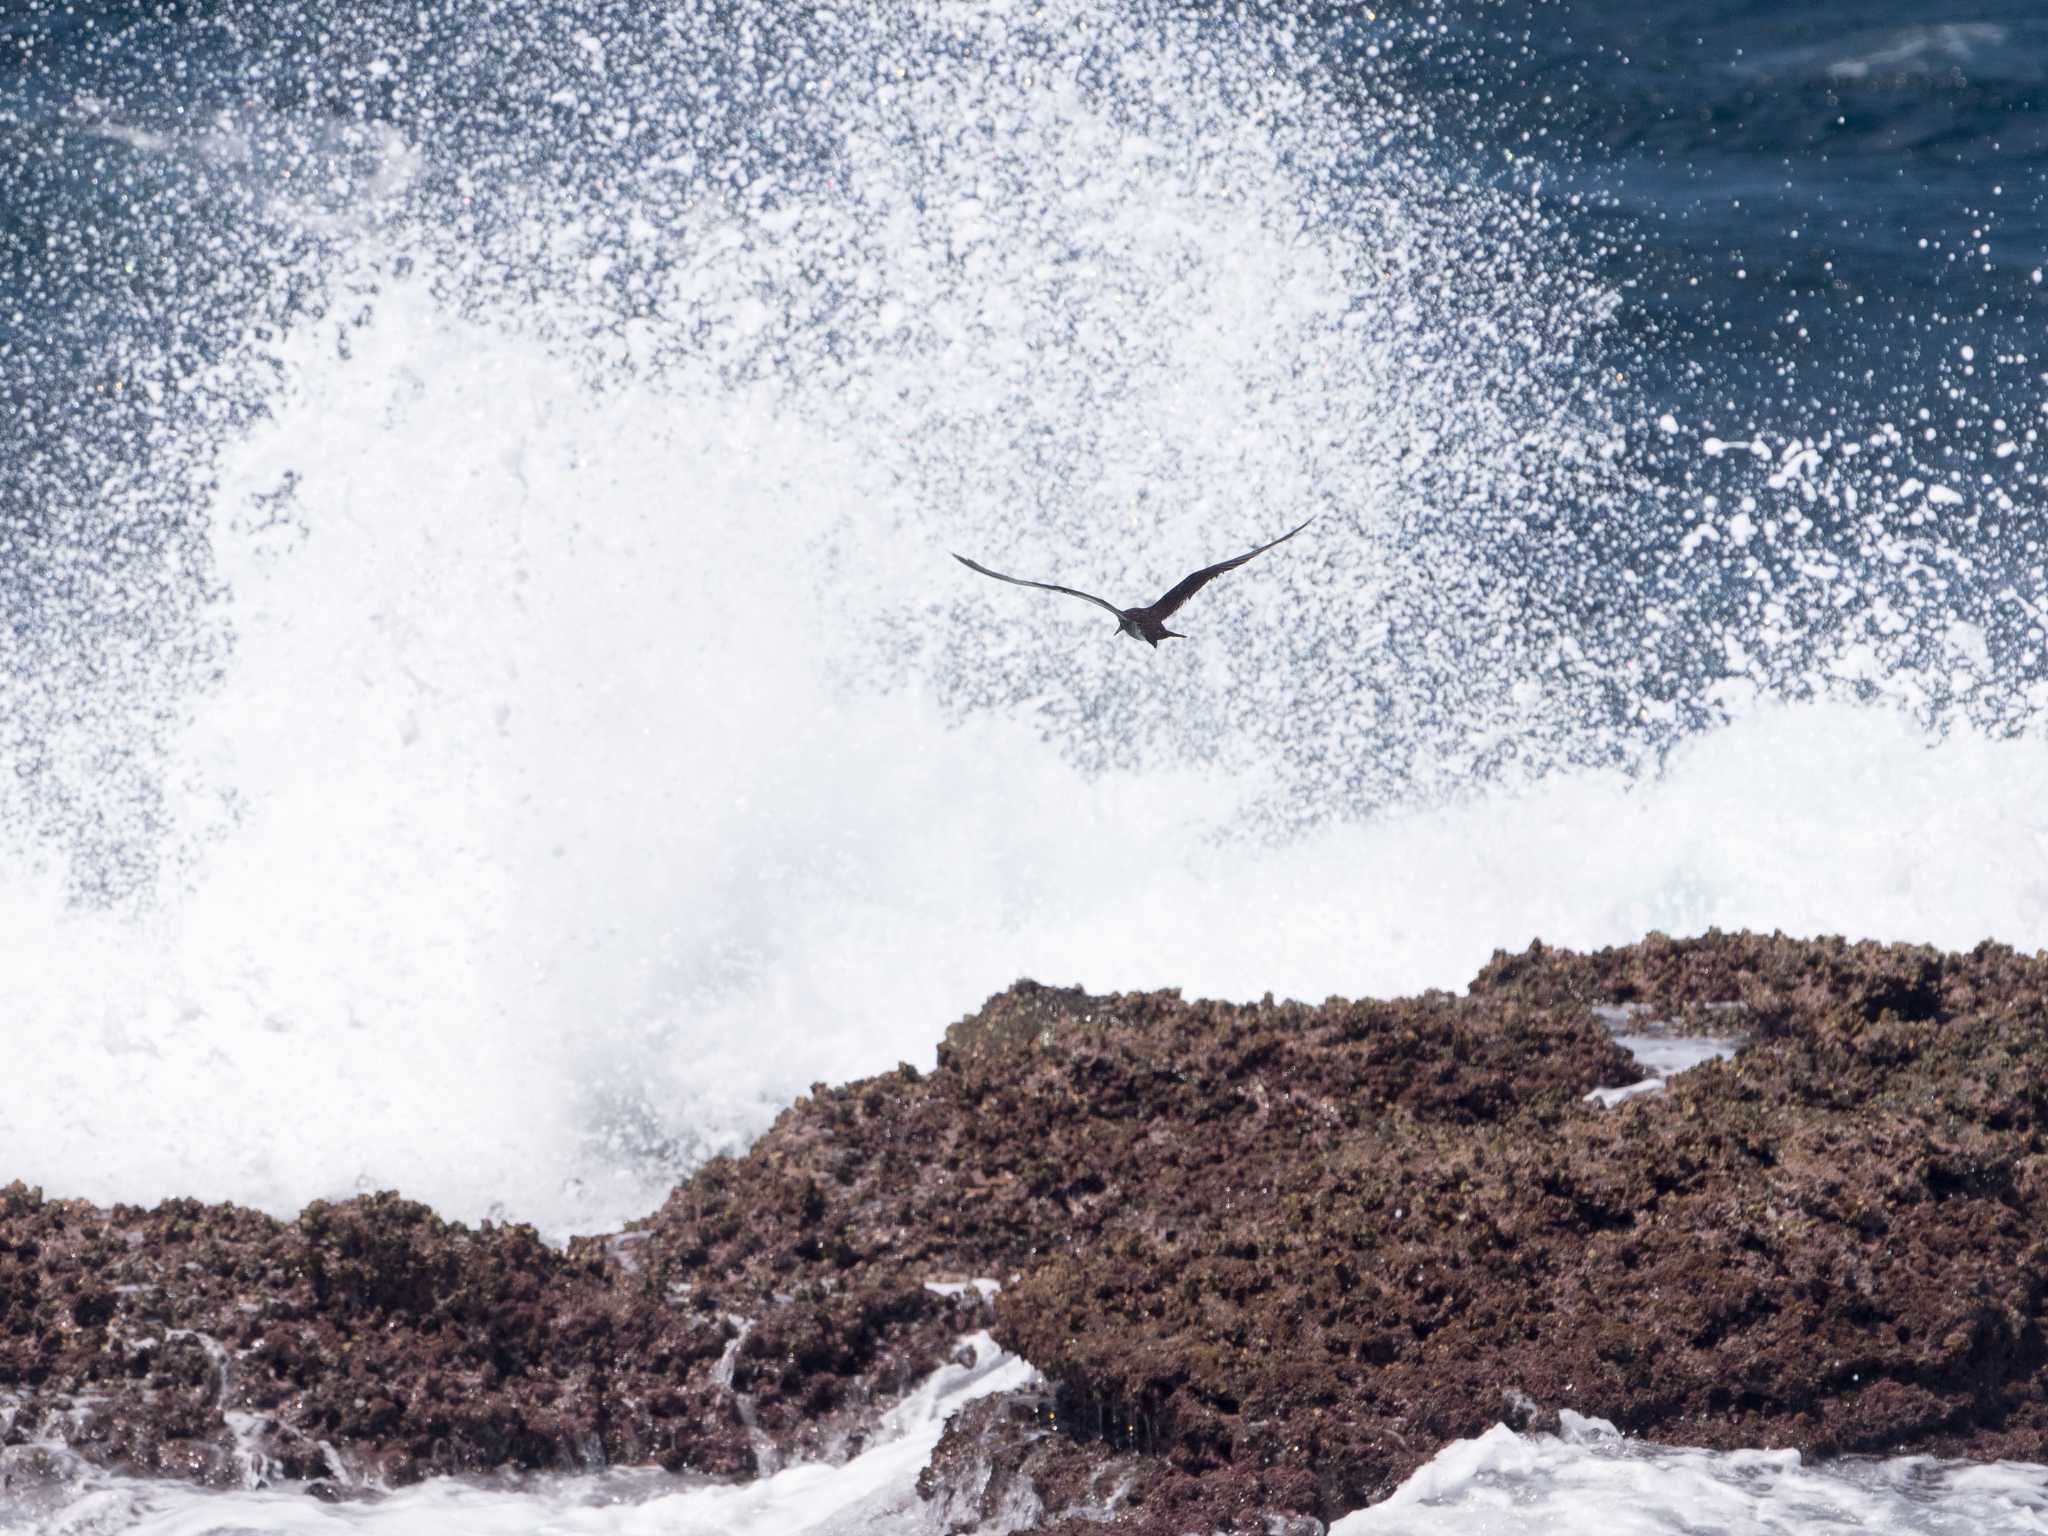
(1146, 624)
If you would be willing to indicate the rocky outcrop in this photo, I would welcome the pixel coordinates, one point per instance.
(371, 1342)
(1268, 1257)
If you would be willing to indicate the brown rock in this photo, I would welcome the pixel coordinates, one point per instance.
(1270, 1258)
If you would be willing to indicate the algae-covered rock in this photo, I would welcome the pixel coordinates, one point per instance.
(1268, 1257)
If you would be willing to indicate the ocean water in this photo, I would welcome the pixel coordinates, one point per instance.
(487, 704)
(1585, 1478)
(876, 1490)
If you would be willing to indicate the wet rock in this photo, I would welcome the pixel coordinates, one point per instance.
(1829, 1241)
(370, 1340)
(1269, 1258)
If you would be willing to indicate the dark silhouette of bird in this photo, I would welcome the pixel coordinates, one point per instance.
(1146, 624)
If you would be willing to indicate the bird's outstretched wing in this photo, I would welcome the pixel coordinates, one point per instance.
(1100, 602)
(1188, 586)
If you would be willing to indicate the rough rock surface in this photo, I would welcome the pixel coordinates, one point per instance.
(1269, 1258)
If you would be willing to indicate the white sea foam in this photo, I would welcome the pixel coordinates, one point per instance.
(1588, 1478)
(606, 746)
(1919, 50)
(542, 835)
(1585, 1478)
(553, 870)
(874, 1491)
